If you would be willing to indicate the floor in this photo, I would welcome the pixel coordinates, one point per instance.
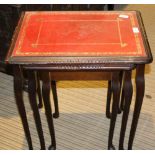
(82, 123)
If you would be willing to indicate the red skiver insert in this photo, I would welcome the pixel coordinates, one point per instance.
(80, 34)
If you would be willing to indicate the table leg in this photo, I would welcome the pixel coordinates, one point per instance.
(108, 114)
(128, 90)
(116, 94)
(55, 98)
(121, 90)
(109, 92)
(122, 100)
(18, 91)
(140, 88)
(48, 109)
(33, 103)
(40, 105)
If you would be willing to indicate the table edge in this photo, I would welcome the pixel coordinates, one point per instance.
(84, 60)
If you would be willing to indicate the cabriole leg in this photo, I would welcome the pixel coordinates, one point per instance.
(116, 94)
(48, 110)
(55, 98)
(33, 103)
(18, 91)
(128, 91)
(140, 88)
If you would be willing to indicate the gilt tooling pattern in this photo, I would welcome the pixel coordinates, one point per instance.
(80, 34)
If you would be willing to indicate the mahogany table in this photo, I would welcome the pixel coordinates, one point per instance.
(80, 46)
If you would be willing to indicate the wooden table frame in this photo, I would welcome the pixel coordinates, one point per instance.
(113, 76)
(115, 89)
(85, 64)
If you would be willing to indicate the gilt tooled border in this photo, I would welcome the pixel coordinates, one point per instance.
(20, 53)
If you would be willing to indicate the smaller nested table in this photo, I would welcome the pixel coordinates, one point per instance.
(80, 46)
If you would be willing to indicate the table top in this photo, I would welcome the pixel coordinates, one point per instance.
(80, 37)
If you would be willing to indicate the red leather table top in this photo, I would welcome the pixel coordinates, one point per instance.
(79, 34)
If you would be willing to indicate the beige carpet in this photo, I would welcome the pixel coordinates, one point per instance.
(82, 123)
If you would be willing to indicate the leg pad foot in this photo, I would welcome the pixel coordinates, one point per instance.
(40, 106)
(51, 147)
(56, 115)
(111, 147)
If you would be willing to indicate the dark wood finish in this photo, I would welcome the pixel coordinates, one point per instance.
(81, 67)
(121, 90)
(18, 91)
(48, 110)
(140, 88)
(73, 76)
(33, 103)
(128, 90)
(115, 91)
(122, 99)
(55, 98)
(69, 65)
(109, 93)
(39, 93)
